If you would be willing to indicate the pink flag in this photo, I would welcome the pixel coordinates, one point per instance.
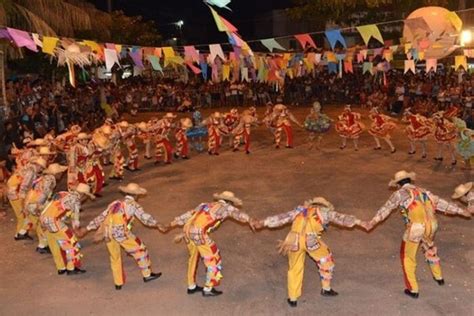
(195, 69)
(431, 63)
(22, 39)
(304, 40)
(191, 53)
(348, 67)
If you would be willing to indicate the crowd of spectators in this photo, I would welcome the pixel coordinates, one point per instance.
(37, 107)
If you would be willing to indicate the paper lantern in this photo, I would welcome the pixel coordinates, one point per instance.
(436, 33)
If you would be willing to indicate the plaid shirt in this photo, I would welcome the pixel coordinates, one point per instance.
(130, 208)
(64, 205)
(26, 177)
(224, 211)
(40, 192)
(402, 199)
(327, 216)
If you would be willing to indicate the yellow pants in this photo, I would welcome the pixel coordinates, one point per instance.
(65, 249)
(212, 261)
(323, 258)
(30, 223)
(17, 206)
(133, 247)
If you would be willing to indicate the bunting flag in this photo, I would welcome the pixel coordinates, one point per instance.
(111, 58)
(215, 50)
(304, 40)
(245, 74)
(136, 56)
(190, 53)
(331, 57)
(22, 39)
(203, 66)
(168, 52)
(335, 36)
(194, 69)
(157, 52)
(368, 31)
(348, 67)
(93, 46)
(222, 24)
(368, 67)
(460, 61)
(36, 39)
(409, 66)
(431, 63)
(388, 55)
(219, 3)
(155, 63)
(226, 72)
(271, 44)
(49, 44)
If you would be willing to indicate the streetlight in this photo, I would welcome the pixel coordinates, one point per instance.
(466, 37)
(180, 24)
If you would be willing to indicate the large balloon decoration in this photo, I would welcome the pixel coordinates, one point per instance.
(433, 30)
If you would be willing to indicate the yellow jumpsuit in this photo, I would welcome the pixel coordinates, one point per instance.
(418, 208)
(18, 185)
(33, 205)
(61, 239)
(308, 224)
(116, 223)
(198, 223)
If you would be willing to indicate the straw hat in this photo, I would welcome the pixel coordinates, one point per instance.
(83, 136)
(228, 196)
(55, 168)
(75, 129)
(123, 124)
(169, 115)
(133, 188)
(142, 126)
(319, 201)
(401, 175)
(100, 140)
(44, 150)
(40, 162)
(186, 123)
(84, 189)
(462, 190)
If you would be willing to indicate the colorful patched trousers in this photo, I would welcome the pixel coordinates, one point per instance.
(163, 150)
(17, 206)
(118, 161)
(32, 222)
(288, 132)
(408, 251)
(212, 260)
(65, 249)
(135, 248)
(132, 155)
(323, 258)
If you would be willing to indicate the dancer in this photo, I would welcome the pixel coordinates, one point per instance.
(197, 132)
(381, 127)
(230, 121)
(114, 226)
(308, 222)
(418, 130)
(418, 210)
(61, 239)
(465, 193)
(214, 140)
(445, 134)
(128, 133)
(317, 123)
(77, 157)
(182, 146)
(36, 199)
(164, 150)
(242, 131)
(198, 223)
(465, 145)
(349, 126)
(18, 186)
(144, 133)
(283, 124)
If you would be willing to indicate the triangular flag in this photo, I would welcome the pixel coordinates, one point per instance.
(168, 52)
(367, 67)
(460, 61)
(155, 63)
(194, 69)
(304, 40)
(331, 57)
(215, 50)
(191, 54)
(431, 63)
(37, 40)
(335, 36)
(271, 44)
(368, 31)
(348, 67)
(388, 55)
(137, 58)
(455, 20)
(409, 66)
(203, 66)
(219, 3)
(49, 44)
(93, 46)
(332, 68)
(226, 72)
(222, 24)
(245, 74)
(22, 39)
(111, 58)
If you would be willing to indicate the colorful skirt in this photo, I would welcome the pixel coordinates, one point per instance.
(421, 133)
(319, 125)
(382, 130)
(351, 132)
(196, 132)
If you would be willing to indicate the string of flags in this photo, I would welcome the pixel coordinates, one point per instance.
(242, 63)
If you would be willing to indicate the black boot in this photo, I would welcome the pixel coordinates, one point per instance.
(118, 287)
(292, 303)
(195, 290)
(330, 292)
(153, 276)
(61, 272)
(44, 250)
(75, 271)
(25, 236)
(440, 281)
(212, 292)
(411, 294)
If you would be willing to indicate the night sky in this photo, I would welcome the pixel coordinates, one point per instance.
(199, 25)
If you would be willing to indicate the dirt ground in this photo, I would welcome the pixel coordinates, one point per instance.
(368, 275)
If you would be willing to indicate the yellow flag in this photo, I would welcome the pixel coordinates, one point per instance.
(460, 61)
(226, 72)
(455, 20)
(331, 57)
(168, 51)
(49, 44)
(421, 55)
(407, 47)
(93, 45)
(368, 31)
